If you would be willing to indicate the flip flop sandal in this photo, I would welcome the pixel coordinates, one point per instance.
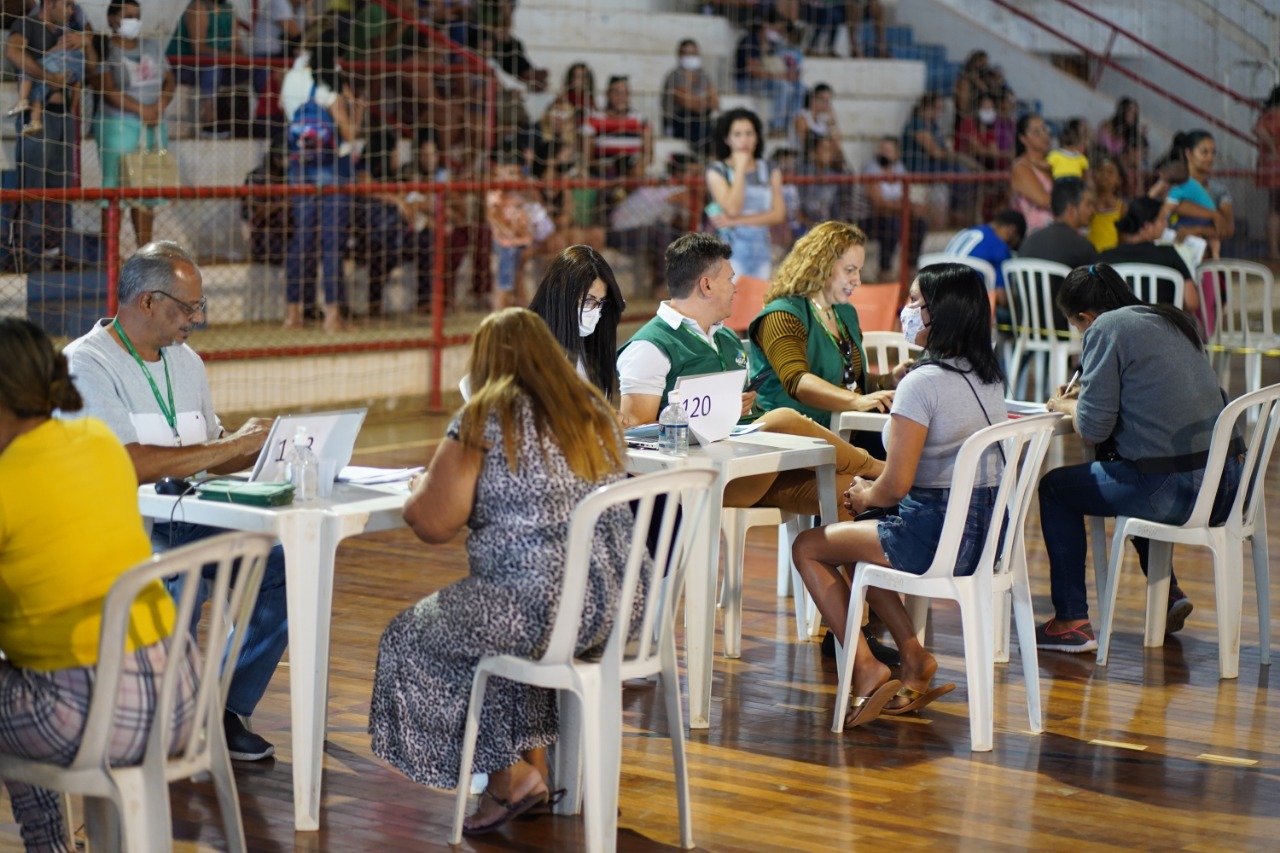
(547, 806)
(917, 700)
(866, 708)
(510, 810)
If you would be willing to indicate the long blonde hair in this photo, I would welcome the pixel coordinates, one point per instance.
(807, 269)
(514, 358)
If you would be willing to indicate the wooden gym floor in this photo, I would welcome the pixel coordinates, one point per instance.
(1150, 753)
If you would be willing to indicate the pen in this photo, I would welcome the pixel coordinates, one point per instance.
(1075, 378)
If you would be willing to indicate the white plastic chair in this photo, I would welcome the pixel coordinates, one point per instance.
(464, 388)
(1247, 521)
(1024, 441)
(984, 267)
(127, 808)
(1145, 280)
(734, 524)
(1029, 285)
(589, 753)
(1243, 319)
(885, 351)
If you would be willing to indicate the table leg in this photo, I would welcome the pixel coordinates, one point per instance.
(700, 610)
(310, 542)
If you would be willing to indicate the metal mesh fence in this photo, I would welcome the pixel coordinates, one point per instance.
(458, 169)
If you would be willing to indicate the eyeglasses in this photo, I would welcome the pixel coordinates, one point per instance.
(591, 303)
(191, 310)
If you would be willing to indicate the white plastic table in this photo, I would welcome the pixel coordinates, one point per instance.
(310, 533)
(740, 456)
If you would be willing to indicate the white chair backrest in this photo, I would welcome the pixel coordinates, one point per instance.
(690, 486)
(1024, 442)
(1030, 285)
(886, 350)
(1260, 430)
(1244, 291)
(245, 555)
(988, 272)
(464, 385)
(1145, 280)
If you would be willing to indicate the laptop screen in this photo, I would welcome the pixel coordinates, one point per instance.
(332, 436)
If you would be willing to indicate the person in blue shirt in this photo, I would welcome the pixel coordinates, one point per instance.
(994, 243)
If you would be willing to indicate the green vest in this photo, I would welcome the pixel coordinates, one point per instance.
(689, 353)
(825, 361)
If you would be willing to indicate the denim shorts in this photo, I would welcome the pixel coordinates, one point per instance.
(910, 539)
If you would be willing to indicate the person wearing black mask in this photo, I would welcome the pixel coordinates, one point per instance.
(881, 216)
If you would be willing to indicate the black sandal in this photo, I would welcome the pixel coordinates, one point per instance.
(510, 810)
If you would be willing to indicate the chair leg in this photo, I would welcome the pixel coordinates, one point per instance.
(601, 750)
(469, 733)
(844, 656)
(918, 611)
(1159, 570)
(1262, 585)
(1000, 601)
(102, 825)
(800, 603)
(1109, 588)
(1024, 618)
(735, 540)
(1228, 582)
(568, 767)
(146, 825)
(787, 534)
(670, 686)
(979, 663)
(224, 784)
(1098, 544)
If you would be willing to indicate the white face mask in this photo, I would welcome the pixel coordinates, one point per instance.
(912, 322)
(987, 116)
(691, 63)
(773, 36)
(588, 318)
(130, 28)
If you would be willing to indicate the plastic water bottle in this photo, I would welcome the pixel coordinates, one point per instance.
(304, 468)
(673, 428)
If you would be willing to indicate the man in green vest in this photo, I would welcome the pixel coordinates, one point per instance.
(688, 337)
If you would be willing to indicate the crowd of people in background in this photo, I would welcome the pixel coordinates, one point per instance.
(382, 75)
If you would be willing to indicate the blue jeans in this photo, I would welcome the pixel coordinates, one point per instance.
(319, 237)
(46, 160)
(267, 633)
(752, 251)
(1109, 489)
(508, 266)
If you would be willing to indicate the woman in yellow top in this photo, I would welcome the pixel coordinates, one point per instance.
(1109, 181)
(69, 526)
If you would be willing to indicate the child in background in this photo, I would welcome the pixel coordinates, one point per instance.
(32, 95)
(517, 222)
(1109, 182)
(1068, 159)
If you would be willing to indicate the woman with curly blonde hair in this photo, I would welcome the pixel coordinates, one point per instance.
(807, 342)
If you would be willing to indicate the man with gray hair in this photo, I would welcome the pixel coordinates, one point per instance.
(137, 374)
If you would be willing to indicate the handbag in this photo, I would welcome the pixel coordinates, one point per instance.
(148, 167)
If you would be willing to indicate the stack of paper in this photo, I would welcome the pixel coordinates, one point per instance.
(363, 476)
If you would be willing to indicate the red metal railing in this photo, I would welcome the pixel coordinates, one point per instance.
(1106, 61)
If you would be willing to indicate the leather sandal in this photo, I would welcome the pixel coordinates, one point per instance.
(917, 699)
(864, 709)
(547, 806)
(509, 811)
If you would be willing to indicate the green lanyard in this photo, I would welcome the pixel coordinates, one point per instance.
(723, 364)
(170, 411)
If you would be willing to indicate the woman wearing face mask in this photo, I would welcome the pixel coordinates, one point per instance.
(956, 390)
(136, 85)
(580, 302)
(976, 136)
(1151, 455)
